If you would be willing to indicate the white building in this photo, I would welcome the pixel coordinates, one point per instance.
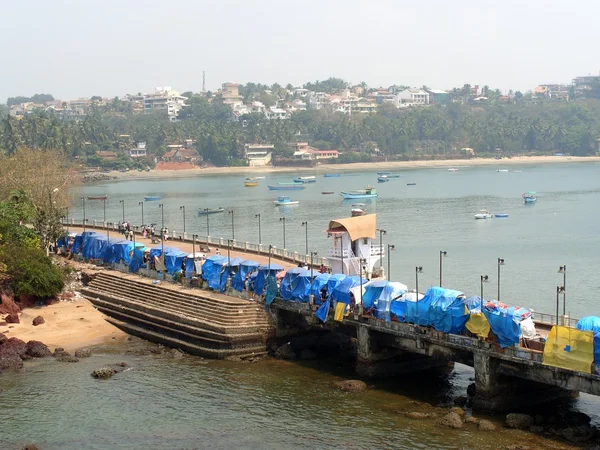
(316, 100)
(258, 154)
(139, 151)
(164, 99)
(409, 97)
(354, 246)
(276, 113)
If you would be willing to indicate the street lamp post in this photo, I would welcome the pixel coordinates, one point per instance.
(563, 270)
(389, 255)
(483, 279)
(83, 200)
(282, 219)
(342, 251)
(559, 290)
(500, 263)
(443, 254)
(182, 208)
(312, 254)
(229, 241)
(418, 270)
(194, 236)
(259, 233)
(206, 211)
(270, 250)
(67, 219)
(381, 233)
(142, 205)
(361, 261)
(305, 225)
(122, 202)
(162, 229)
(108, 231)
(104, 212)
(232, 225)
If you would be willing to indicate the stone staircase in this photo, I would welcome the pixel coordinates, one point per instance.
(197, 321)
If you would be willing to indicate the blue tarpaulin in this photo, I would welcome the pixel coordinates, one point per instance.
(301, 287)
(155, 252)
(289, 282)
(239, 279)
(189, 266)
(417, 312)
(589, 323)
(333, 282)
(137, 259)
(211, 271)
(270, 288)
(77, 244)
(93, 246)
(505, 322)
(341, 293)
(261, 276)
(384, 292)
(121, 250)
(319, 287)
(62, 241)
(597, 348)
(323, 310)
(174, 260)
(447, 310)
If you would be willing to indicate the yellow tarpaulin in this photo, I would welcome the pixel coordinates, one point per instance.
(340, 308)
(569, 348)
(478, 325)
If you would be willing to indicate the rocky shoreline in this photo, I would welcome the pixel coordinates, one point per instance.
(96, 177)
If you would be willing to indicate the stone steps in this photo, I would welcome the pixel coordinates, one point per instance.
(248, 315)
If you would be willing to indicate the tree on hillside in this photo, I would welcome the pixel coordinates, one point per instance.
(330, 85)
(36, 98)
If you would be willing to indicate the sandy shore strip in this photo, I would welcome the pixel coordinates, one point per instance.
(354, 167)
(68, 324)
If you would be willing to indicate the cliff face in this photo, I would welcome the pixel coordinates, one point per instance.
(7, 299)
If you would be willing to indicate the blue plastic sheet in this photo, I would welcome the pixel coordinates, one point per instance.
(189, 267)
(302, 284)
(211, 271)
(589, 323)
(287, 284)
(447, 310)
(261, 277)
(77, 244)
(94, 246)
(174, 260)
(333, 282)
(505, 322)
(597, 348)
(244, 269)
(391, 291)
(271, 288)
(121, 251)
(323, 310)
(341, 293)
(318, 287)
(417, 312)
(137, 259)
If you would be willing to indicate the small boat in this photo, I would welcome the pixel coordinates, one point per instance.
(327, 192)
(501, 215)
(483, 214)
(529, 197)
(393, 176)
(411, 184)
(384, 173)
(98, 197)
(152, 198)
(383, 179)
(452, 169)
(358, 209)
(286, 187)
(284, 200)
(331, 175)
(258, 178)
(502, 170)
(311, 179)
(250, 182)
(205, 211)
(368, 192)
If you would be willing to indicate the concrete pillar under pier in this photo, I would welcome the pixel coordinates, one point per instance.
(496, 392)
(376, 360)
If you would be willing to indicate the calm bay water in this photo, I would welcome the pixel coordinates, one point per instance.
(436, 214)
(163, 403)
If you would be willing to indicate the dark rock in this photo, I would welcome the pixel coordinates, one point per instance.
(285, 352)
(103, 373)
(139, 352)
(450, 420)
(3, 324)
(15, 346)
(460, 401)
(575, 419)
(10, 362)
(67, 358)
(519, 421)
(37, 349)
(122, 364)
(518, 447)
(351, 385)
(59, 351)
(471, 390)
(83, 353)
(38, 321)
(2, 338)
(536, 429)
(30, 447)
(12, 318)
(486, 425)
(578, 434)
(307, 355)
(538, 419)
(461, 412)
(471, 419)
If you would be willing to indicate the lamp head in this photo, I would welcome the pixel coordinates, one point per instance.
(257, 215)
(140, 203)
(282, 218)
(443, 253)
(391, 247)
(484, 278)
(562, 269)
(182, 207)
(304, 223)
(419, 269)
(313, 253)
(500, 261)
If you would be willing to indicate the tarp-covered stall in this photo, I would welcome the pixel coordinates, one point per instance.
(289, 282)
(94, 246)
(318, 287)
(569, 348)
(379, 294)
(211, 270)
(238, 281)
(505, 322)
(448, 311)
(398, 307)
(121, 251)
(174, 260)
(265, 271)
(137, 259)
(592, 323)
(342, 291)
(301, 287)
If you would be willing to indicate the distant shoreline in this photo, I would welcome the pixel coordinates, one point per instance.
(352, 167)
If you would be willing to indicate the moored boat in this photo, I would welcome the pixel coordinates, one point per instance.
(452, 169)
(368, 192)
(358, 209)
(97, 197)
(411, 184)
(284, 200)
(484, 214)
(151, 198)
(331, 175)
(205, 211)
(501, 215)
(310, 179)
(286, 187)
(250, 182)
(529, 197)
(384, 173)
(327, 192)
(383, 179)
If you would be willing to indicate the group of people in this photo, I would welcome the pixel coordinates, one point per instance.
(125, 229)
(149, 231)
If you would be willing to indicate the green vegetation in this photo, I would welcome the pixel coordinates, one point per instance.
(36, 98)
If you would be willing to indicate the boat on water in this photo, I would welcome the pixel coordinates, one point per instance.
(529, 197)
(393, 176)
(411, 184)
(286, 187)
(258, 178)
(383, 179)
(327, 192)
(310, 179)
(452, 169)
(331, 175)
(502, 170)
(501, 215)
(358, 209)
(97, 197)
(484, 214)
(205, 211)
(284, 200)
(250, 182)
(384, 173)
(152, 198)
(368, 192)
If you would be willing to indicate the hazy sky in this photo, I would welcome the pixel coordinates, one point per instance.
(73, 48)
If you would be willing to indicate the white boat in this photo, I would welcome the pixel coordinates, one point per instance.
(309, 179)
(258, 178)
(452, 169)
(284, 200)
(358, 209)
(483, 214)
(502, 170)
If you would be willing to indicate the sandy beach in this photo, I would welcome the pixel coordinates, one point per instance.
(323, 168)
(69, 324)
